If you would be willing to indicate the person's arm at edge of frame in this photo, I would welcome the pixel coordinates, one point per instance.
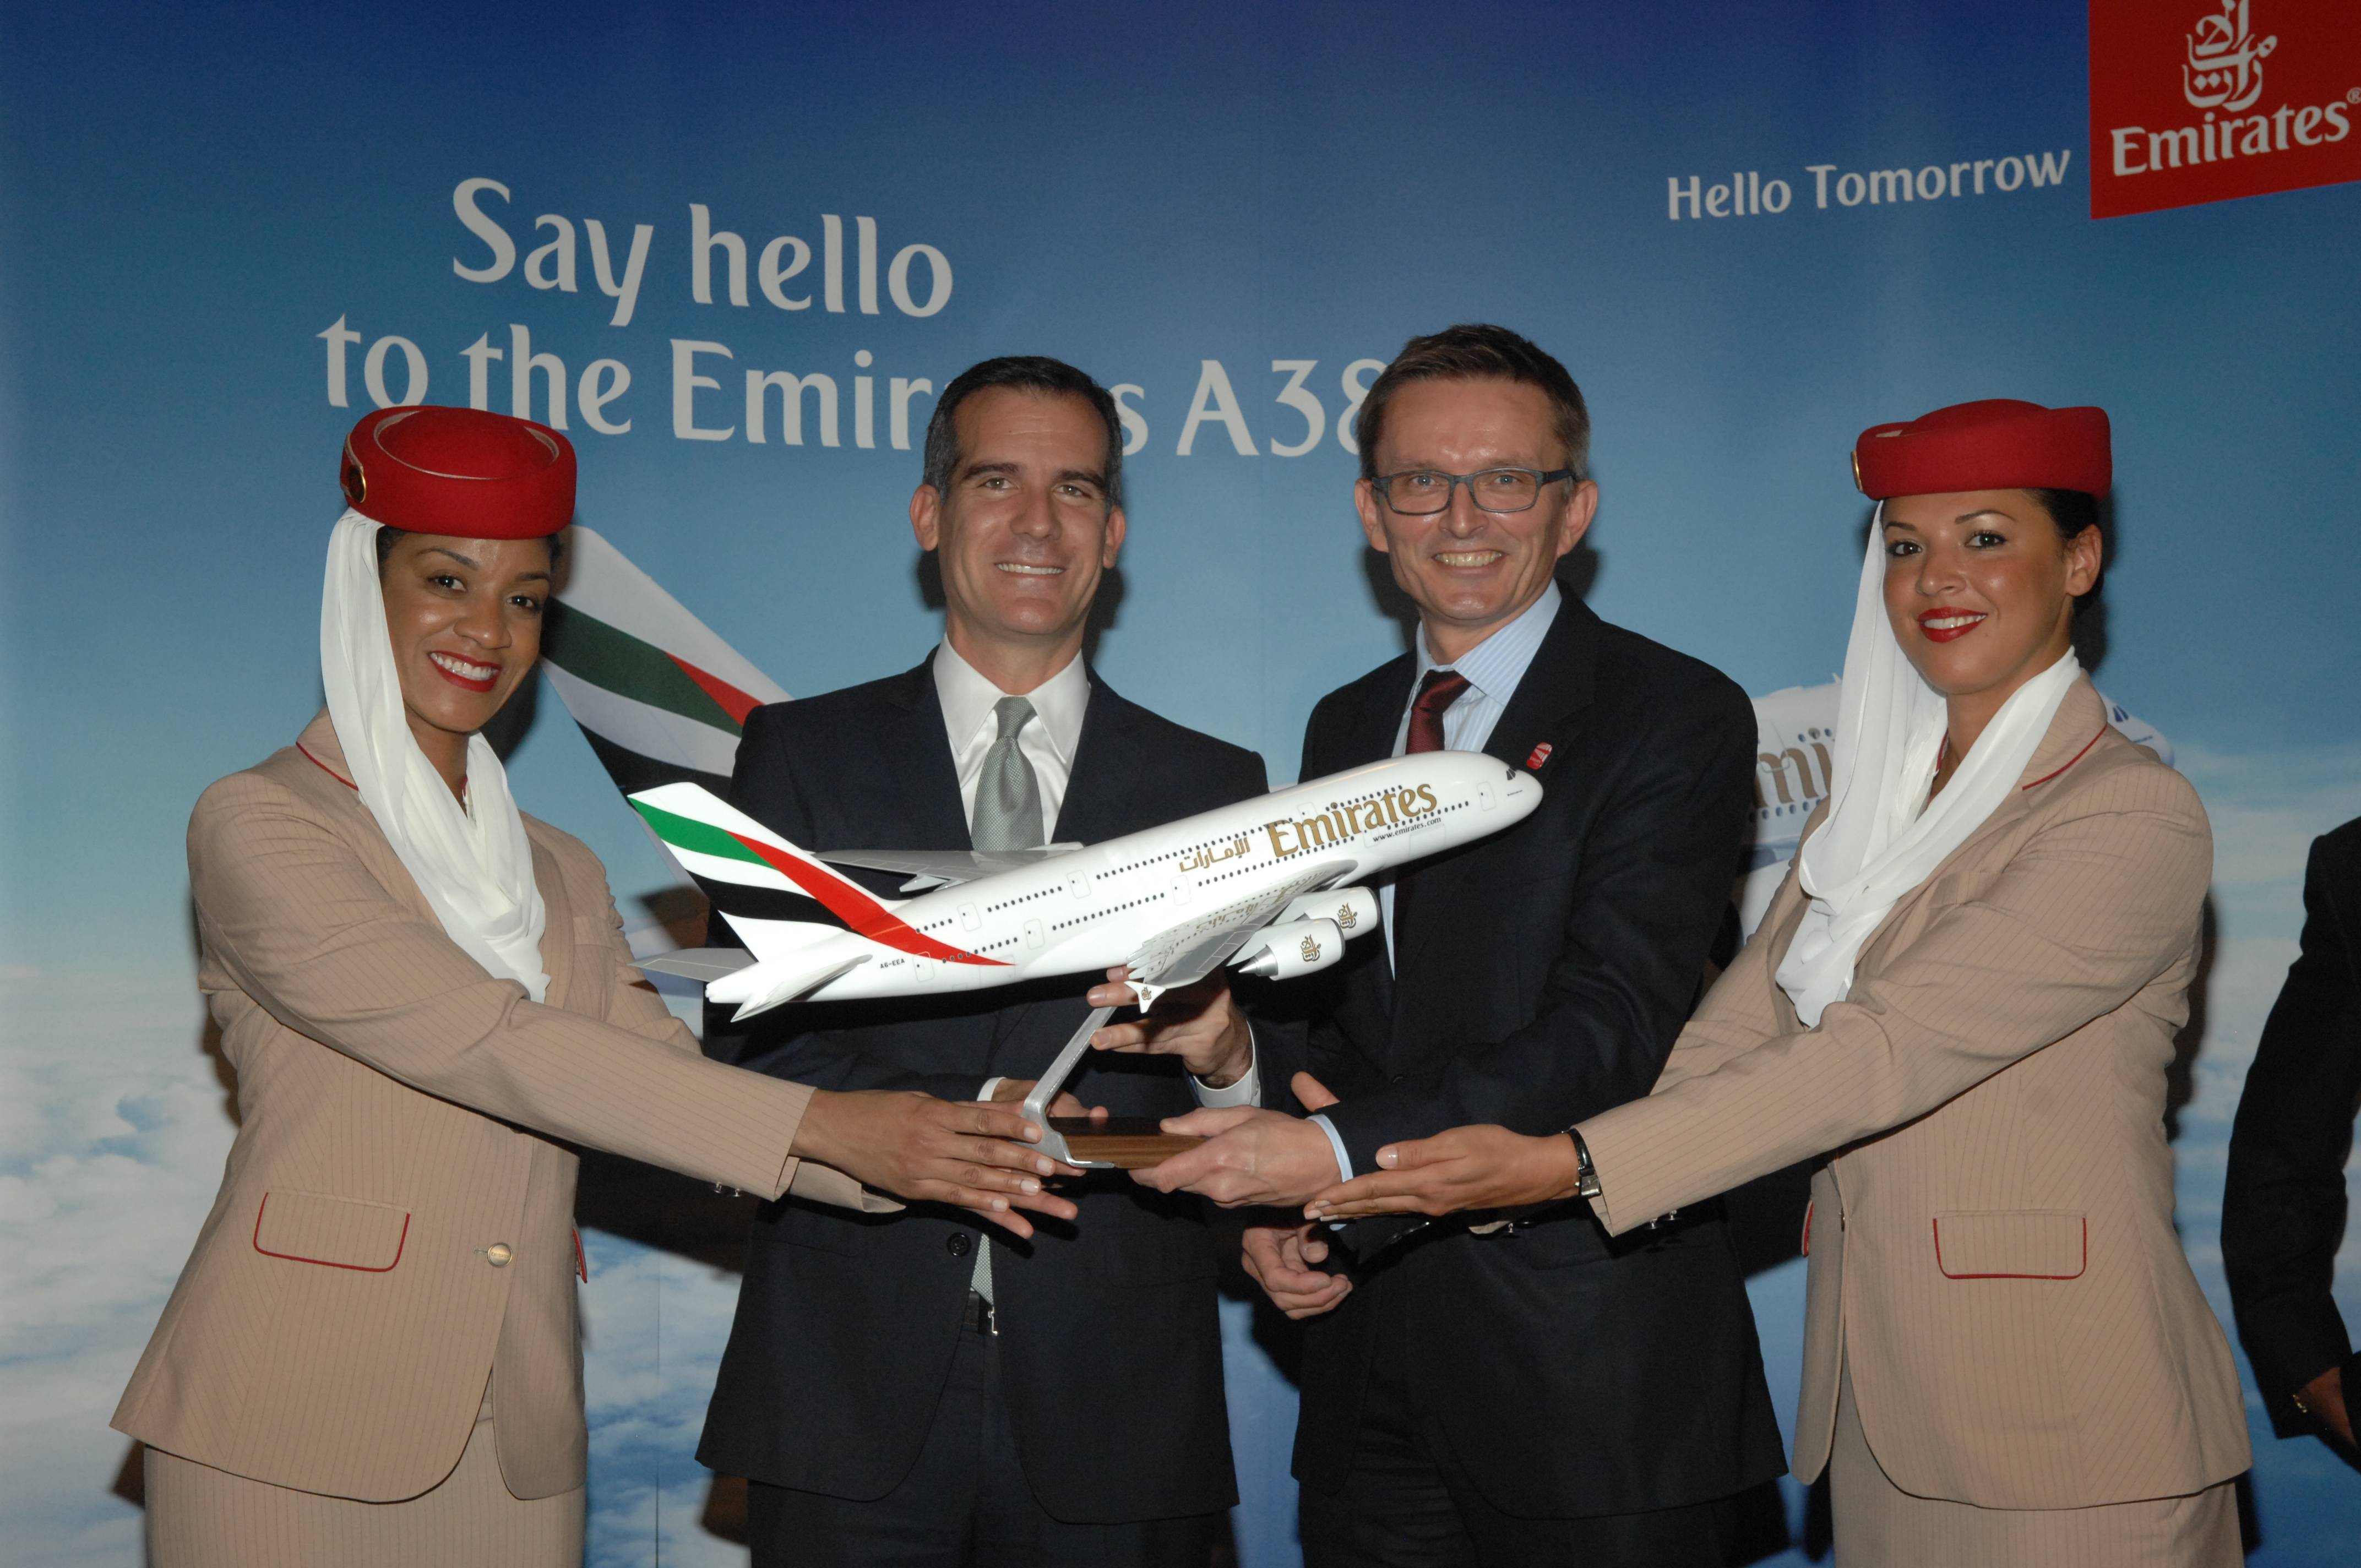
(2283, 1201)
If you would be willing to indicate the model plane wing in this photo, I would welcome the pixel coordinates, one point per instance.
(1185, 954)
(700, 964)
(943, 868)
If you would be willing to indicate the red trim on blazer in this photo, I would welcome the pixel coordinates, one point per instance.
(1807, 1230)
(2071, 760)
(329, 771)
(2084, 1268)
(581, 1264)
(325, 1263)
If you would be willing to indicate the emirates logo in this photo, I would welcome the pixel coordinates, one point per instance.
(2256, 110)
(1311, 951)
(1346, 919)
(2224, 70)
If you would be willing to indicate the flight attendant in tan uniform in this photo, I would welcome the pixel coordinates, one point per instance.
(1965, 997)
(372, 1356)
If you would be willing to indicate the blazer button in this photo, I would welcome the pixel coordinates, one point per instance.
(959, 1246)
(498, 1255)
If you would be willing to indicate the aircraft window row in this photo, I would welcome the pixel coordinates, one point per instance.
(1013, 902)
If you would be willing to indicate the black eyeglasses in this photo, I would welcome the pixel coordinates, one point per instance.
(1420, 492)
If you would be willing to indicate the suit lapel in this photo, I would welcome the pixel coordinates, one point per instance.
(1556, 686)
(1370, 728)
(925, 786)
(2079, 723)
(1101, 787)
(320, 748)
(324, 759)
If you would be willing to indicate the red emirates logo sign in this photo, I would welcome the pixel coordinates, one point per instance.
(2204, 100)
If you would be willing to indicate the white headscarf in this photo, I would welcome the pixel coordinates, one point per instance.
(1877, 844)
(474, 864)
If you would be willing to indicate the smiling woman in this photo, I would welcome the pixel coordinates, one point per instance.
(371, 1357)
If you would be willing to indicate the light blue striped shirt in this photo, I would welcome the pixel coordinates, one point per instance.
(1493, 668)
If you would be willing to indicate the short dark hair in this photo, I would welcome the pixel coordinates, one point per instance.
(388, 537)
(1034, 373)
(1475, 352)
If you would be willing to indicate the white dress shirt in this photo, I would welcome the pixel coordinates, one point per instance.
(971, 724)
(1494, 669)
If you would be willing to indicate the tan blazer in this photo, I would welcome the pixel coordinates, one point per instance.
(395, 1222)
(1992, 1245)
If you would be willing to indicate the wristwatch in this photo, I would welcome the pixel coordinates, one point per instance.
(1586, 1178)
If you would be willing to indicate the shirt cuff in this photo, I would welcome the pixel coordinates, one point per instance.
(991, 1087)
(1336, 1142)
(1247, 1090)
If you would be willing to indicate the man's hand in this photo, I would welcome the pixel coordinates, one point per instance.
(1248, 1156)
(1198, 1023)
(937, 1151)
(1281, 1259)
(1464, 1168)
(2324, 1397)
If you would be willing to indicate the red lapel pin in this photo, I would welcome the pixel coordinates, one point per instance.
(1541, 754)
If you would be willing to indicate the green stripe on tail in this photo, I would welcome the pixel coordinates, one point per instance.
(700, 838)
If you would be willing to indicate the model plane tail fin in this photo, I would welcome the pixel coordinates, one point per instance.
(776, 896)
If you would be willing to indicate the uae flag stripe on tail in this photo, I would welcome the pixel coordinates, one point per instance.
(658, 695)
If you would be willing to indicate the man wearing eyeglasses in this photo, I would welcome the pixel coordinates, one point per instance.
(1523, 1390)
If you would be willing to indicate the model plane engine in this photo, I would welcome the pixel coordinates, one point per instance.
(1295, 948)
(1354, 910)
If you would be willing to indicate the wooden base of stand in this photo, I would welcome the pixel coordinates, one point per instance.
(1129, 1143)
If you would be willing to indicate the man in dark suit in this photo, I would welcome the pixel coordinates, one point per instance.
(917, 1387)
(1528, 1391)
(2283, 1208)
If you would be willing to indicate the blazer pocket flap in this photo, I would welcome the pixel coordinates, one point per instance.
(340, 1233)
(2012, 1244)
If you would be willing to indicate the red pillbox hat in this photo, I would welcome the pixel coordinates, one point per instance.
(1998, 444)
(468, 473)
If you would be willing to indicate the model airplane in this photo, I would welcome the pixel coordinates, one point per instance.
(1273, 886)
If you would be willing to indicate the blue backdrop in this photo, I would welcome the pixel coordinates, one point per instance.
(228, 234)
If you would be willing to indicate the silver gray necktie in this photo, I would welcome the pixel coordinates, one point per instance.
(1008, 796)
(1007, 816)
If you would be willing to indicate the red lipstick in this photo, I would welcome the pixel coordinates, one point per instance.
(1968, 619)
(462, 682)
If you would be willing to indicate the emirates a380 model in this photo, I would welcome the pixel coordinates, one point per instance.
(1271, 885)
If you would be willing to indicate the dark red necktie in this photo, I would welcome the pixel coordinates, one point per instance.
(1438, 691)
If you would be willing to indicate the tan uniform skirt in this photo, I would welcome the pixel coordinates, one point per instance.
(1878, 1525)
(199, 1517)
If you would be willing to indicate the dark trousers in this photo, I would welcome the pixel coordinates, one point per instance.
(1408, 1503)
(965, 1504)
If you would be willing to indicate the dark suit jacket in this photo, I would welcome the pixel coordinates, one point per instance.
(2283, 1208)
(1110, 1348)
(1545, 977)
